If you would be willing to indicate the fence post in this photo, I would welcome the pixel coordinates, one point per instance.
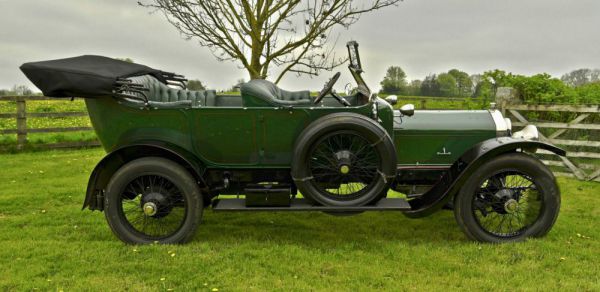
(504, 97)
(21, 123)
(423, 104)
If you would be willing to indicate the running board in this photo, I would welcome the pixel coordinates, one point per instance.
(230, 205)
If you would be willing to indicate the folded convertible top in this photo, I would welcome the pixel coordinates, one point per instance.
(88, 76)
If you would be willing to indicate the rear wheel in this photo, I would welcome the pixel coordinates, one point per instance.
(510, 198)
(153, 200)
(344, 160)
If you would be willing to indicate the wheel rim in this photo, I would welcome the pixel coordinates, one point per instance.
(344, 165)
(507, 204)
(153, 207)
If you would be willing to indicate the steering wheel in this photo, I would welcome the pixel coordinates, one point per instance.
(328, 89)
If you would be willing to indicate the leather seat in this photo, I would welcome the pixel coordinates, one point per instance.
(161, 93)
(263, 93)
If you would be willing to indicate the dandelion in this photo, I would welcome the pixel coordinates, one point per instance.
(215, 289)
(162, 279)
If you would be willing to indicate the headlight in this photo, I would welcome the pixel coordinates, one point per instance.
(528, 133)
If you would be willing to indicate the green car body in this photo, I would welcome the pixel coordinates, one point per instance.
(220, 137)
(264, 137)
(173, 152)
(232, 142)
(255, 142)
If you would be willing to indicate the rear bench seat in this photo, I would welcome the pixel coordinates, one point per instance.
(163, 95)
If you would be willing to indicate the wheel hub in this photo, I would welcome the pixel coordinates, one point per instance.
(502, 199)
(156, 204)
(345, 169)
(150, 209)
(504, 194)
(511, 206)
(344, 161)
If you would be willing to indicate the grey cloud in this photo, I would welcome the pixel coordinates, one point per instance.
(422, 36)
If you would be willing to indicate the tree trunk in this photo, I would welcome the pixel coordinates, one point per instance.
(255, 73)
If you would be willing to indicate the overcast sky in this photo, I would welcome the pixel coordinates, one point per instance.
(421, 36)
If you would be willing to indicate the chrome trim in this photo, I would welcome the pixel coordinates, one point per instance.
(392, 99)
(499, 121)
(407, 110)
(530, 132)
(508, 124)
(502, 128)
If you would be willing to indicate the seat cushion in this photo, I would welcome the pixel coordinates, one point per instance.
(159, 92)
(258, 93)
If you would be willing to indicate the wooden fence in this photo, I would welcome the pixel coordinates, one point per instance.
(584, 165)
(21, 115)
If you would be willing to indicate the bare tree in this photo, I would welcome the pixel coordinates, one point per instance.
(293, 35)
(581, 77)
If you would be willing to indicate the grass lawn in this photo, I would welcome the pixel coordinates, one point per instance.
(48, 243)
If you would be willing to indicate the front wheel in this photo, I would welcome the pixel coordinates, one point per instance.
(510, 198)
(151, 200)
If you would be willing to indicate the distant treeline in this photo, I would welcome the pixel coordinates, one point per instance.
(580, 86)
(17, 90)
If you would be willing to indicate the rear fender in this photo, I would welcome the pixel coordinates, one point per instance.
(94, 199)
(453, 180)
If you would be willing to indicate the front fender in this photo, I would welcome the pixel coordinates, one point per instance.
(104, 170)
(453, 180)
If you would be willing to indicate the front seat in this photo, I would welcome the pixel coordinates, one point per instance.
(263, 93)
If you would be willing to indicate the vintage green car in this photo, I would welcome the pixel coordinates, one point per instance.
(174, 152)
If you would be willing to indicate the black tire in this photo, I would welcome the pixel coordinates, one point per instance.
(158, 182)
(510, 198)
(369, 155)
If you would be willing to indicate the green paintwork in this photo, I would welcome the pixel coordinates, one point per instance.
(440, 137)
(264, 137)
(221, 137)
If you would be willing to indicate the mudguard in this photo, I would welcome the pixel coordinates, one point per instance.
(104, 170)
(452, 181)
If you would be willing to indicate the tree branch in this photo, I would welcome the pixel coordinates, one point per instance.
(290, 34)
